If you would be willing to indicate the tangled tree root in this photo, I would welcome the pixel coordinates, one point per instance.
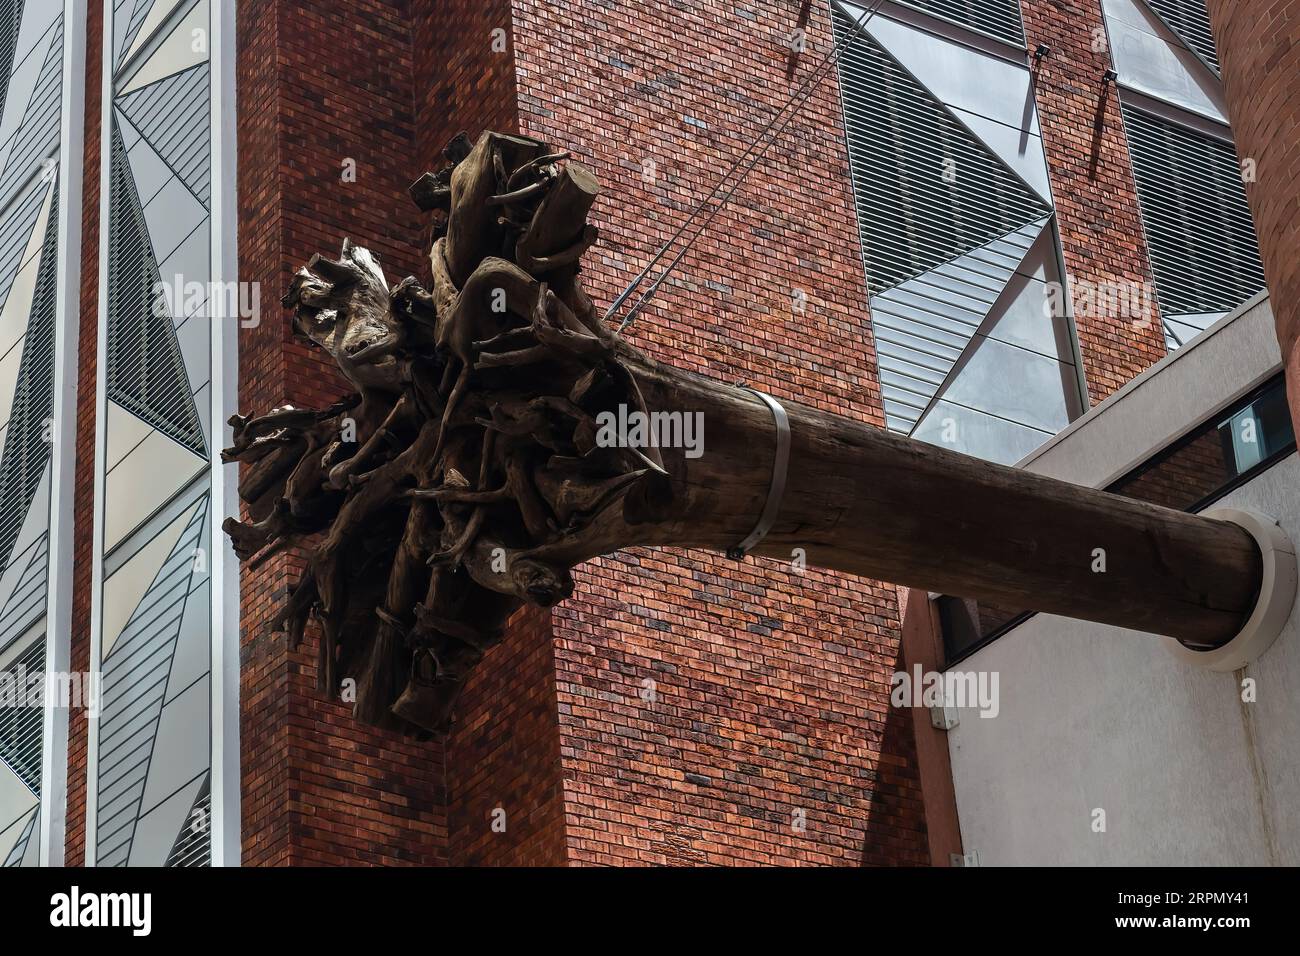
(439, 491)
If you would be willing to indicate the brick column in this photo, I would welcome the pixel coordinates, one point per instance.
(320, 85)
(505, 797)
(1259, 49)
(84, 507)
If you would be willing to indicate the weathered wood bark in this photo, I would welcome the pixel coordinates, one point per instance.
(864, 501)
(476, 465)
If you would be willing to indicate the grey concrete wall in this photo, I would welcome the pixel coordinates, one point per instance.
(1095, 717)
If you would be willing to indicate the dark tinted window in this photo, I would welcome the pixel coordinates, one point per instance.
(1250, 436)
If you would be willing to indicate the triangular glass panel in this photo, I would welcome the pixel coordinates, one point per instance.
(146, 372)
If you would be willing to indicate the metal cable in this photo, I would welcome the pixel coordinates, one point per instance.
(797, 99)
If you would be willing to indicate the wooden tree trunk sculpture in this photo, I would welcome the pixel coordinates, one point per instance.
(471, 470)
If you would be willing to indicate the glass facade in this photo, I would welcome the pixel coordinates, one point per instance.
(152, 641)
(1190, 181)
(958, 229)
(32, 184)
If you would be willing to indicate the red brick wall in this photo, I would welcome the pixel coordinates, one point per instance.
(770, 686)
(318, 86)
(462, 82)
(264, 690)
(503, 756)
(503, 752)
(1092, 185)
(1259, 49)
(84, 507)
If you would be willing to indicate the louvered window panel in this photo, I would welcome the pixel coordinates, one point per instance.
(146, 371)
(1189, 19)
(26, 450)
(15, 858)
(20, 727)
(901, 143)
(27, 602)
(1198, 226)
(999, 18)
(11, 13)
(193, 845)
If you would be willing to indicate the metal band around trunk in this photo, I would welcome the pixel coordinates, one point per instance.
(780, 465)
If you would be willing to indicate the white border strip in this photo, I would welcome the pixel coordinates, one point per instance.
(224, 568)
(63, 491)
